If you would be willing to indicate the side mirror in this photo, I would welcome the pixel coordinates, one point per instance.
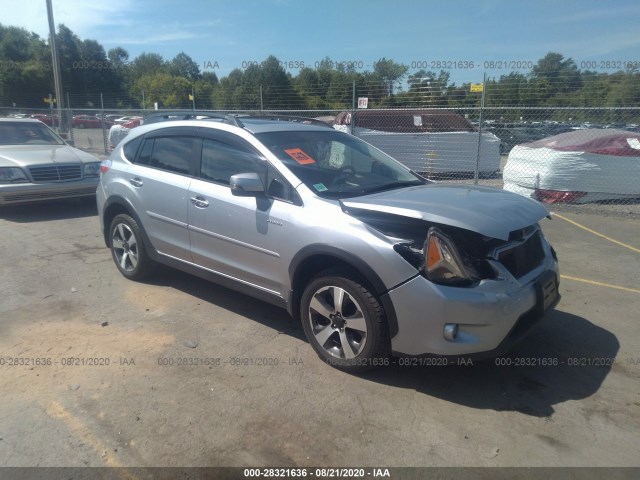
(246, 185)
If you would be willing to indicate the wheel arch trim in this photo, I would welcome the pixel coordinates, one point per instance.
(118, 201)
(310, 252)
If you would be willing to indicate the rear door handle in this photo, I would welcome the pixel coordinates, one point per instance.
(136, 182)
(199, 202)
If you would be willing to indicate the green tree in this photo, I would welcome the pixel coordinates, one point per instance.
(553, 75)
(183, 65)
(167, 90)
(25, 69)
(147, 64)
(389, 74)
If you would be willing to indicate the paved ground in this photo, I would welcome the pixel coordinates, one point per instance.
(259, 396)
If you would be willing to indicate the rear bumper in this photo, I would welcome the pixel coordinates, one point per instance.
(16, 194)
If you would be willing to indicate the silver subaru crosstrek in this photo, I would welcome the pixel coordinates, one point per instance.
(373, 259)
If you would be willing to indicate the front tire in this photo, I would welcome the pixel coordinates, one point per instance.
(127, 248)
(344, 322)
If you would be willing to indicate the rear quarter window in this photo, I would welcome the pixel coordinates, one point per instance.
(130, 149)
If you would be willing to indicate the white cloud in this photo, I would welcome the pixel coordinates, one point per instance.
(152, 39)
(609, 44)
(587, 15)
(83, 18)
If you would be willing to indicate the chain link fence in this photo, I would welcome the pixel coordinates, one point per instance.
(567, 157)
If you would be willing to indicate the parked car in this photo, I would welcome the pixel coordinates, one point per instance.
(37, 165)
(89, 121)
(512, 135)
(116, 134)
(118, 131)
(372, 258)
(435, 143)
(121, 120)
(580, 166)
(47, 119)
(112, 117)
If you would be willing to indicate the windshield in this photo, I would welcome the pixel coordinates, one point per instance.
(27, 133)
(337, 165)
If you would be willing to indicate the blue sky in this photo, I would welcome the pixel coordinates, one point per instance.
(306, 31)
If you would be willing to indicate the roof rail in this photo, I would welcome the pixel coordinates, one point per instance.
(192, 115)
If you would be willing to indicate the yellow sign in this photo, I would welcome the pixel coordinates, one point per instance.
(477, 87)
(190, 97)
(46, 100)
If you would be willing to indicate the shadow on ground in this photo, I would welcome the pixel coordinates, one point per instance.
(55, 210)
(578, 356)
(240, 304)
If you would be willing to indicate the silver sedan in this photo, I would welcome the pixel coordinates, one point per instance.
(37, 165)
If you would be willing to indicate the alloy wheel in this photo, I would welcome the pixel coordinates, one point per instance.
(125, 247)
(337, 322)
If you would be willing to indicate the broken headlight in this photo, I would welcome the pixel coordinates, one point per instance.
(443, 262)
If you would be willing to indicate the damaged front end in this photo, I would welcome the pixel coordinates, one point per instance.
(457, 236)
(472, 293)
(454, 256)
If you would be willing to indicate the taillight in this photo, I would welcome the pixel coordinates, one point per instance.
(556, 196)
(105, 165)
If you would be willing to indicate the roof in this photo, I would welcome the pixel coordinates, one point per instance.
(191, 115)
(620, 143)
(253, 124)
(269, 124)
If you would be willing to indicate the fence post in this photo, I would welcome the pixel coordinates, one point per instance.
(353, 106)
(261, 104)
(484, 89)
(70, 120)
(104, 134)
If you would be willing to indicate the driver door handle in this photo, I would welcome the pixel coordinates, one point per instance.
(136, 182)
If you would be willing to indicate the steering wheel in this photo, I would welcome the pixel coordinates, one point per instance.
(346, 173)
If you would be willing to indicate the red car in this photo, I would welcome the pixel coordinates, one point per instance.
(47, 119)
(134, 122)
(89, 121)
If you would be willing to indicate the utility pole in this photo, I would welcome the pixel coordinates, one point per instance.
(55, 63)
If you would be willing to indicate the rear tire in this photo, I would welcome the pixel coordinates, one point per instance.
(127, 248)
(344, 322)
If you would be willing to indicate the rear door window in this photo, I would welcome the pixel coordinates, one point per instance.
(172, 153)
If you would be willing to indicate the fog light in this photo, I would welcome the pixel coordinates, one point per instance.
(450, 331)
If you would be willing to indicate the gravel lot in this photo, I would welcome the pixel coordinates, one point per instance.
(181, 372)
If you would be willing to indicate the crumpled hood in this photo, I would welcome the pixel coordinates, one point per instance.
(488, 211)
(30, 155)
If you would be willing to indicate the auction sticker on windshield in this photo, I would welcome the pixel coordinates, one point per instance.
(299, 156)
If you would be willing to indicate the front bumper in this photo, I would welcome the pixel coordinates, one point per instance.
(491, 317)
(20, 193)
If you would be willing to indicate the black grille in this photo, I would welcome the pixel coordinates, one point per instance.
(56, 173)
(523, 258)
